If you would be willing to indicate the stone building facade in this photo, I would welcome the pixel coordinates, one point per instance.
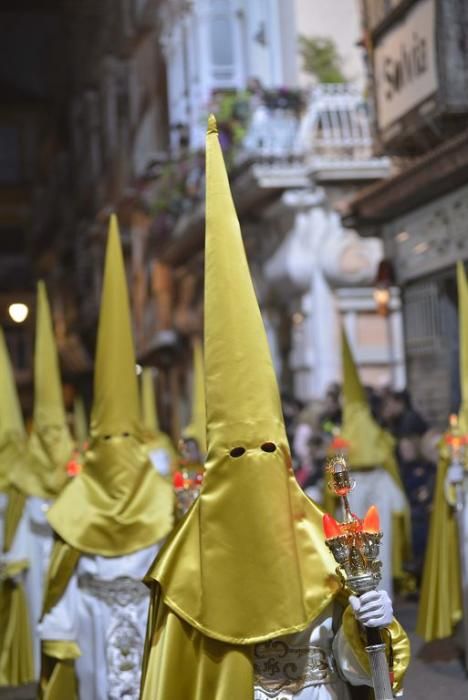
(298, 155)
(420, 212)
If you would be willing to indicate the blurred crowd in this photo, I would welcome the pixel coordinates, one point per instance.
(313, 427)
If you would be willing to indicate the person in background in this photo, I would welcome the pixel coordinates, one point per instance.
(332, 410)
(375, 402)
(418, 477)
(314, 485)
(188, 468)
(306, 430)
(371, 456)
(42, 474)
(441, 605)
(244, 601)
(161, 451)
(293, 410)
(108, 524)
(400, 418)
(194, 434)
(16, 645)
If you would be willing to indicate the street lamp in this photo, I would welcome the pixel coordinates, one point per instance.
(382, 285)
(18, 312)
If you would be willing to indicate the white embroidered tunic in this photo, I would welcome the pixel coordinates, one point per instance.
(315, 664)
(104, 610)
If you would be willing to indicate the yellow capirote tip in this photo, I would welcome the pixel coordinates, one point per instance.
(212, 125)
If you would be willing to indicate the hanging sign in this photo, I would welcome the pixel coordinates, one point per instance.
(405, 64)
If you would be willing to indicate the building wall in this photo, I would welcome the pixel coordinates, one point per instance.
(425, 245)
(429, 238)
(219, 45)
(339, 20)
(377, 340)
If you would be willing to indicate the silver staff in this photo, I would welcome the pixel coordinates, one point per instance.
(355, 545)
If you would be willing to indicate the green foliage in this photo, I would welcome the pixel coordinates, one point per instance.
(321, 59)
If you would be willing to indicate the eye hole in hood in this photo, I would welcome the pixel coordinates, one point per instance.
(268, 447)
(110, 436)
(237, 451)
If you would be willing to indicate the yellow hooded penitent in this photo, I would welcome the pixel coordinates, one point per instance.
(16, 662)
(154, 436)
(463, 344)
(369, 446)
(440, 607)
(249, 561)
(50, 444)
(12, 433)
(118, 504)
(196, 429)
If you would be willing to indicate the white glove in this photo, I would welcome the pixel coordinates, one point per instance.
(455, 473)
(372, 609)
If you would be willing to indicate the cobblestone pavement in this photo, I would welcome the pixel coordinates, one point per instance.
(437, 680)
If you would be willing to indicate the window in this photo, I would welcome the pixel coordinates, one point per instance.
(222, 42)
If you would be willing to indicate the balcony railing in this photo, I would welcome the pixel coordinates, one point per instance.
(285, 128)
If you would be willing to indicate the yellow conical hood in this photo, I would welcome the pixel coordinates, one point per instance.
(368, 445)
(371, 446)
(50, 444)
(463, 343)
(12, 433)
(117, 504)
(49, 408)
(80, 422)
(249, 561)
(197, 427)
(116, 402)
(11, 419)
(236, 346)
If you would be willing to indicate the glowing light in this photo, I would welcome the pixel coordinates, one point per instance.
(330, 527)
(339, 443)
(371, 522)
(298, 318)
(138, 369)
(382, 300)
(73, 467)
(18, 312)
(178, 480)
